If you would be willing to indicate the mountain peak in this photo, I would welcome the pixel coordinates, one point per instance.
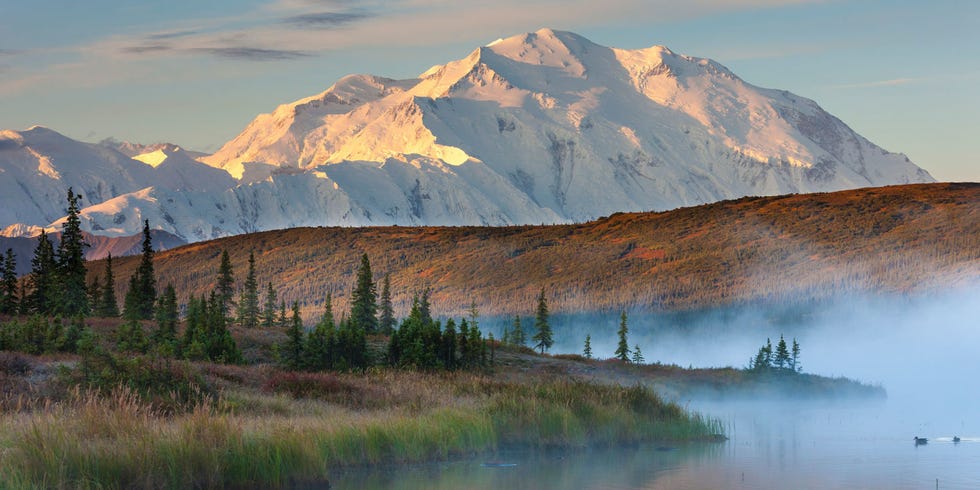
(541, 127)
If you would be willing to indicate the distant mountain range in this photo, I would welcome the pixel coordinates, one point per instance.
(544, 127)
(896, 240)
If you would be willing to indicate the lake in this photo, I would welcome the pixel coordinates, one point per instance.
(924, 351)
(772, 445)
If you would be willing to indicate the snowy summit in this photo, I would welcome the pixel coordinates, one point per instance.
(541, 127)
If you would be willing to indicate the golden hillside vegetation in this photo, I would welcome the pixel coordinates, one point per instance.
(899, 239)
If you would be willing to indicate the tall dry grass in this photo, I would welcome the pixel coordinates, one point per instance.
(273, 439)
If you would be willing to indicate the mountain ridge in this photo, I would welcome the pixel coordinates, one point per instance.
(542, 127)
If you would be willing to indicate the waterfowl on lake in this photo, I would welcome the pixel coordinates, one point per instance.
(920, 440)
(956, 439)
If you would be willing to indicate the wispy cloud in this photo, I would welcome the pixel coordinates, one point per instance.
(293, 30)
(879, 83)
(324, 20)
(172, 34)
(146, 48)
(254, 54)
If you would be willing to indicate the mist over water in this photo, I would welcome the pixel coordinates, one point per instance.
(925, 351)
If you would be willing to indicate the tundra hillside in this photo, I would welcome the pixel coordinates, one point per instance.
(898, 239)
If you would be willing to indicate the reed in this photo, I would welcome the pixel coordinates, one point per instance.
(118, 440)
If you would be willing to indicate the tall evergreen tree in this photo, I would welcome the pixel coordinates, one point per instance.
(95, 295)
(43, 273)
(9, 301)
(292, 352)
(269, 312)
(108, 308)
(364, 306)
(142, 295)
(517, 336)
(248, 301)
(542, 337)
(587, 351)
(623, 348)
(72, 297)
(386, 318)
(795, 357)
(226, 283)
(782, 359)
(166, 317)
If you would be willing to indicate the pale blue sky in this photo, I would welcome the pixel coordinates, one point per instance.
(905, 74)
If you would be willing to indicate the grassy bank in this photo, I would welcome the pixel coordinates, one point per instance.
(271, 428)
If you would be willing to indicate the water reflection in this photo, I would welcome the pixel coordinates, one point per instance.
(772, 446)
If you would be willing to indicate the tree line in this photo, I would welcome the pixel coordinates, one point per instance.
(56, 289)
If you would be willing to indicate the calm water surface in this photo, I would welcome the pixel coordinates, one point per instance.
(784, 445)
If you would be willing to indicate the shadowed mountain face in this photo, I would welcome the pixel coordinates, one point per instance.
(892, 240)
(543, 127)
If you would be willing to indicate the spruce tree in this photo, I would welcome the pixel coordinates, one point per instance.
(795, 358)
(318, 350)
(269, 312)
(364, 307)
(9, 300)
(292, 352)
(637, 355)
(95, 295)
(282, 322)
(43, 272)
(226, 283)
(623, 348)
(782, 359)
(517, 335)
(71, 288)
(386, 317)
(166, 317)
(542, 337)
(587, 351)
(142, 295)
(248, 301)
(108, 308)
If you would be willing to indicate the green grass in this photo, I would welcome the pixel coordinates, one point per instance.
(119, 441)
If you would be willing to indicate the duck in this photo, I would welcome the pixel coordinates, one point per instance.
(956, 439)
(920, 440)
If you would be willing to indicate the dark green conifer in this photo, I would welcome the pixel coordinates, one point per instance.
(166, 317)
(587, 351)
(9, 300)
(637, 355)
(364, 307)
(386, 317)
(43, 277)
(71, 288)
(292, 351)
(108, 308)
(795, 358)
(542, 337)
(518, 337)
(248, 301)
(269, 312)
(623, 348)
(226, 284)
(782, 359)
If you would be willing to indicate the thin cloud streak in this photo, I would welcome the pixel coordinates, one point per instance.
(324, 20)
(254, 54)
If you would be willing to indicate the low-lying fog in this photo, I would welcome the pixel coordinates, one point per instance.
(925, 351)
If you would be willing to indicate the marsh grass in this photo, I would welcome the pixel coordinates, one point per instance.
(94, 439)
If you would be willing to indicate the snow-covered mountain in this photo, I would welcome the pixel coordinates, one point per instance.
(537, 128)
